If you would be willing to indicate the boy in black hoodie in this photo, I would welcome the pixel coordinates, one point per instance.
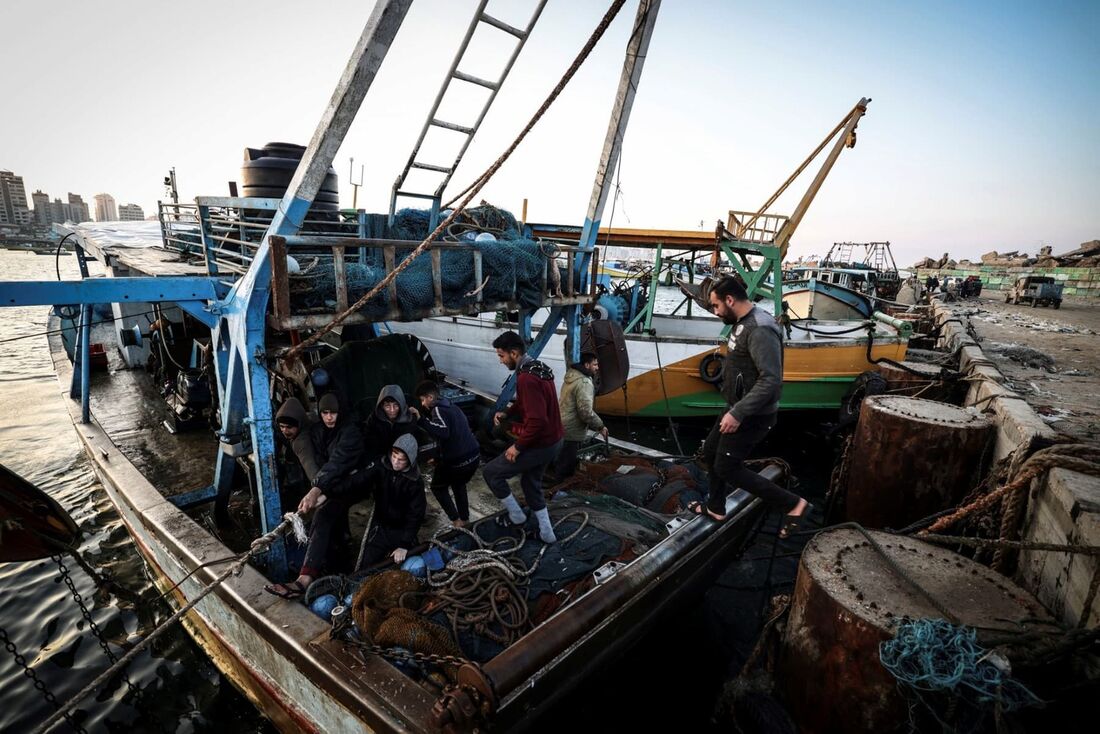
(459, 451)
(399, 504)
(391, 418)
(338, 451)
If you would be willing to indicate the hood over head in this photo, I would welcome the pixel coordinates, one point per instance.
(393, 392)
(292, 412)
(330, 402)
(407, 443)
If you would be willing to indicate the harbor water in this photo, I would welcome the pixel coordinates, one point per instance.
(175, 688)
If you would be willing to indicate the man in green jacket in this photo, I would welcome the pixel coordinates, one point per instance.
(577, 413)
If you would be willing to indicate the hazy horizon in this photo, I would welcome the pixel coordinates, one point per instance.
(982, 133)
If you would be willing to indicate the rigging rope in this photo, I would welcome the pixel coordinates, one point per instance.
(473, 190)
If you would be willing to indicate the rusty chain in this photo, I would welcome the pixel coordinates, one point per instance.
(96, 632)
(39, 685)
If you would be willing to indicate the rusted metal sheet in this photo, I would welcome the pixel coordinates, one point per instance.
(847, 600)
(911, 458)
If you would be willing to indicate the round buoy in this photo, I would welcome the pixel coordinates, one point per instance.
(911, 458)
(847, 600)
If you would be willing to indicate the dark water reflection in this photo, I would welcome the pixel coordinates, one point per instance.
(175, 687)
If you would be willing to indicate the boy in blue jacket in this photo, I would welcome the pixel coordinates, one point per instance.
(459, 451)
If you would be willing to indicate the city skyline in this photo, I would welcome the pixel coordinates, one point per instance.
(969, 145)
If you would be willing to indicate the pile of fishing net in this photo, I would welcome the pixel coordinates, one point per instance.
(512, 265)
(661, 486)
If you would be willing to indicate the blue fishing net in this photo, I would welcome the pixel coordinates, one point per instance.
(512, 266)
(933, 656)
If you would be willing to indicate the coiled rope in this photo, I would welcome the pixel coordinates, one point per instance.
(485, 588)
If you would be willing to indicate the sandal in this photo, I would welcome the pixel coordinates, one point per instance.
(293, 590)
(698, 508)
(793, 523)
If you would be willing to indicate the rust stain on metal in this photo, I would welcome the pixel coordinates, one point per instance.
(847, 601)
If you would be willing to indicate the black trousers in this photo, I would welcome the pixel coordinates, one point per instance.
(453, 479)
(329, 525)
(381, 542)
(725, 454)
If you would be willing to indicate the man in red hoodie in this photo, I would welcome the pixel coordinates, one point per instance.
(538, 433)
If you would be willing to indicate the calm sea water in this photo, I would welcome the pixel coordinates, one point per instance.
(177, 688)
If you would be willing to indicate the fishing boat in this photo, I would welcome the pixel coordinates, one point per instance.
(812, 294)
(215, 309)
(675, 356)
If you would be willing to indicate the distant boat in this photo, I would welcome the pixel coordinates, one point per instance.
(819, 299)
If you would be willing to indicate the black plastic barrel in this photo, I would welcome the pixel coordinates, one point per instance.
(266, 173)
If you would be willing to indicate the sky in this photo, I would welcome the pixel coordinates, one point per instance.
(983, 132)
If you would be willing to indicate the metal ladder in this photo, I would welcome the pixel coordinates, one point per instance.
(480, 16)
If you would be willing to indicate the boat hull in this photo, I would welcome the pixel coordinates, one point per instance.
(665, 377)
(813, 299)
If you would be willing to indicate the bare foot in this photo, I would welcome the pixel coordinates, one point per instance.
(460, 523)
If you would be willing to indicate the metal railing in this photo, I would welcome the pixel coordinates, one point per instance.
(760, 229)
(286, 316)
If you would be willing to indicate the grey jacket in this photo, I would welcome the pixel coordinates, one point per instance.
(577, 414)
(752, 377)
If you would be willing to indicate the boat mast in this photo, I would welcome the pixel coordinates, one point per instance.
(636, 50)
(241, 353)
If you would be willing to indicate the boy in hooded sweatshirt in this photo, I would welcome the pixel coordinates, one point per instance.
(391, 418)
(577, 414)
(459, 451)
(538, 435)
(338, 450)
(399, 504)
(294, 452)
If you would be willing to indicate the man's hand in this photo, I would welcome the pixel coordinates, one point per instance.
(511, 453)
(498, 417)
(729, 424)
(603, 432)
(414, 413)
(400, 555)
(313, 499)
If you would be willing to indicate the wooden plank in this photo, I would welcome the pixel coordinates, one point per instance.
(390, 257)
(478, 276)
(569, 259)
(317, 320)
(280, 283)
(341, 279)
(437, 276)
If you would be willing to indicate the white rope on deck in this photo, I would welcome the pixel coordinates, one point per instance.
(291, 521)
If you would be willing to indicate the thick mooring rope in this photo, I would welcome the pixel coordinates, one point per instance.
(473, 190)
(291, 521)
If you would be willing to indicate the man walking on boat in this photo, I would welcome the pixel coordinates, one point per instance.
(752, 382)
(538, 433)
